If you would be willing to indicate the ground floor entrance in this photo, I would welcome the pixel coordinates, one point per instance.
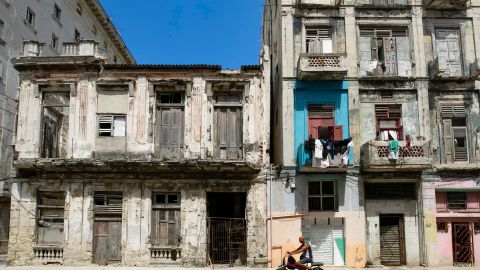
(327, 240)
(392, 240)
(227, 231)
(462, 239)
(4, 226)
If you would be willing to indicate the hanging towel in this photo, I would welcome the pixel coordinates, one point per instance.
(318, 149)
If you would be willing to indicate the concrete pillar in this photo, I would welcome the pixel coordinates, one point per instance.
(194, 227)
(82, 120)
(22, 224)
(138, 118)
(428, 219)
(256, 225)
(354, 119)
(28, 127)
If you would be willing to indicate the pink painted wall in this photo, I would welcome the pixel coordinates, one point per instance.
(444, 247)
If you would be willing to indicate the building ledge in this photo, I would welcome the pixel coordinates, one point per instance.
(457, 167)
(140, 168)
(457, 214)
(309, 169)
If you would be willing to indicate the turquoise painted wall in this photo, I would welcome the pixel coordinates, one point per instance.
(318, 92)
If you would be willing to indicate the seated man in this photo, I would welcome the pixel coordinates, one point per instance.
(306, 256)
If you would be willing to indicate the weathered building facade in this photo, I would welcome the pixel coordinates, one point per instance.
(375, 71)
(138, 164)
(51, 22)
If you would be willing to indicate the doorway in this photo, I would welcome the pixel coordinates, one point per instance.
(462, 244)
(392, 240)
(226, 225)
(4, 226)
(107, 242)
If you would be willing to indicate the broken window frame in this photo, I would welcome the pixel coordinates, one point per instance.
(454, 125)
(55, 150)
(111, 119)
(228, 102)
(388, 112)
(157, 237)
(53, 220)
(321, 196)
(374, 61)
(318, 39)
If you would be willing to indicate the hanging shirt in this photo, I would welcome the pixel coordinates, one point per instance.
(318, 149)
(393, 149)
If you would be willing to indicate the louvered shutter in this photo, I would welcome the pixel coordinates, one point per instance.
(365, 51)
(404, 65)
(338, 133)
(390, 55)
(453, 110)
(448, 139)
(105, 123)
(454, 58)
(171, 132)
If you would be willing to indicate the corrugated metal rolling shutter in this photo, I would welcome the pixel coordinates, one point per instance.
(321, 240)
(390, 244)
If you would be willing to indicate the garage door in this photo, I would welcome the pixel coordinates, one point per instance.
(327, 243)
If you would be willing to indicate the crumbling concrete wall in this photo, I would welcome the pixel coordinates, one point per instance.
(256, 230)
(194, 227)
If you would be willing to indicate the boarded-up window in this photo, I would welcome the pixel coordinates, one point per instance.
(165, 219)
(454, 132)
(228, 126)
(112, 125)
(449, 55)
(56, 108)
(319, 39)
(457, 200)
(384, 52)
(322, 195)
(169, 125)
(389, 121)
(50, 214)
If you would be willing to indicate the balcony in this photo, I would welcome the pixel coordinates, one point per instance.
(165, 255)
(318, 3)
(329, 66)
(447, 4)
(415, 158)
(81, 48)
(48, 254)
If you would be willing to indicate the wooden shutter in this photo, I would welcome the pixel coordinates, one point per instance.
(453, 110)
(441, 199)
(338, 133)
(170, 132)
(365, 51)
(389, 49)
(449, 52)
(448, 139)
(442, 55)
(454, 58)
(321, 111)
(404, 64)
(228, 139)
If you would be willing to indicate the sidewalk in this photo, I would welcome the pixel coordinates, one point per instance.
(59, 267)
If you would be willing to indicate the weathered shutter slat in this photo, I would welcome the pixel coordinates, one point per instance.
(448, 139)
(222, 127)
(454, 58)
(404, 64)
(338, 133)
(442, 55)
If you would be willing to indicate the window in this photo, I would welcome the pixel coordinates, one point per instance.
(108, 203)
(457, 200)
(2, 31)
(54, 41)
(389, 122)
(57, 12)
(94, 29)
(390, 191)
(228, 143)
(384, 52)
(30, 17)
(454, 132)
(319, 40)
(77, 35)
(50, 215)
(165, 219)
(169, 125)
(442, 227)
(449, 55)
(114, 59)
(79, 8)
(321, 123)
(321, 195)
(56, 108)
(111, 125)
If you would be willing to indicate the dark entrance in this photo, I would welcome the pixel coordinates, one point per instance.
(226, 228)
(107, 242)
(392, 240)
(462, 244)
(4, 226)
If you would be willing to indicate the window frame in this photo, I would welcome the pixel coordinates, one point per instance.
(57, 12)
(30, 17)
(77, 36)
(167, 207)
(442, 227)
(463, 202)
(321, 196)
(308, 37)
(42, 207)
(112, 123)
(398, 120)
(54, 41)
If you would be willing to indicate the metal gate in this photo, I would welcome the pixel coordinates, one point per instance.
(462, 244)
(392, 243)
(227, 241)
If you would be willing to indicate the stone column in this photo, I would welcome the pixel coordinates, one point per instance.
(256, 225)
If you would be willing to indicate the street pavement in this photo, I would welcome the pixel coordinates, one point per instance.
(59, 267)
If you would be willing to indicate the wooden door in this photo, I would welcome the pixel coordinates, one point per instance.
(462, 244)
(107, 242)
(228, 135)
(169, 133)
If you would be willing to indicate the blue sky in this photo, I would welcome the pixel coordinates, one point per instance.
(225, 32)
